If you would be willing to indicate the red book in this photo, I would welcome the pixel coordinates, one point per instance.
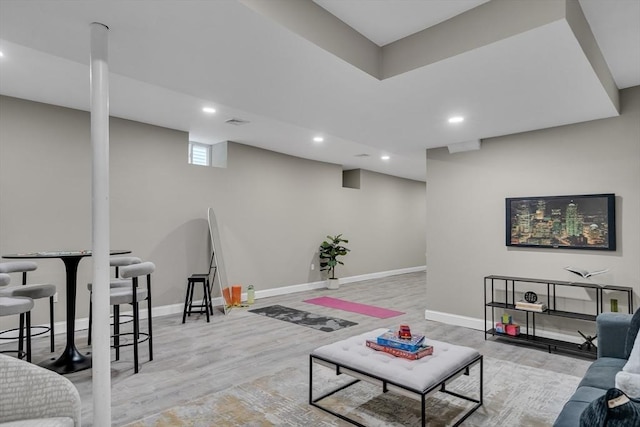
(411, 355)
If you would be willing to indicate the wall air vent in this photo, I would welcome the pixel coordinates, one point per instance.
(237, 122)
(362, 155)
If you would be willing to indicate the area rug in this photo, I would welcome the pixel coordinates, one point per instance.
(514, 395)
(304, 318)
(354, 307)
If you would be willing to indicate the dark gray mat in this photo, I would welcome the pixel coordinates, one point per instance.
(304, 318)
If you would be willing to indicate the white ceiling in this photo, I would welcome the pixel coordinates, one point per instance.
(169, 59)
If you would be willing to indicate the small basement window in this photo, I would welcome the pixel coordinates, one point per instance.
(199, 154)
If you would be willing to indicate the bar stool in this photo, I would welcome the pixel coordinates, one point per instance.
(133, 295)
(33, 291)
(117, 282)
(10, 306)
(189, 306)
(192, 281)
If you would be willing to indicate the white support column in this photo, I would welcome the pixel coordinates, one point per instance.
(101, 352)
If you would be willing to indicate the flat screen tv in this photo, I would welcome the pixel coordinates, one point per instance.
(567, 222)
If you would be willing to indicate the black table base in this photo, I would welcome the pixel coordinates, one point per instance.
(70, 361)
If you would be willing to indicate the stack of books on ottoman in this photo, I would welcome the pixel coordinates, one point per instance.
(410, 347)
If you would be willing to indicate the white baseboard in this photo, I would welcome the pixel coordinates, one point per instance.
(382, 274)
(343, 281)
(454, 319)
(83, 323)
(473, 323)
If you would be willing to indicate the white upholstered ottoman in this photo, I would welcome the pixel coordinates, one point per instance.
(415, 378)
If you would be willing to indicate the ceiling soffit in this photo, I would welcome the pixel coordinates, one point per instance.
(481, 26)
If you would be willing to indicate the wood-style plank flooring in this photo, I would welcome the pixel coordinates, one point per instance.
(198, 358)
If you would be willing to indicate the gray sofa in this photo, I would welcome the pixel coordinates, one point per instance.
(616, 336)
(34, 396)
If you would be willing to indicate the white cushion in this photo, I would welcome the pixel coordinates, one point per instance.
(629, 383)
(125, 295)
(11, 306)
(420, 375)
(633, 364)
(628, 380)
(30, 291)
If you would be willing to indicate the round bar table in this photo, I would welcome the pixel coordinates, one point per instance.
(71, 360)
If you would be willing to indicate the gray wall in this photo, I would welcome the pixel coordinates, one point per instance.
(273, 210)
(466, 214)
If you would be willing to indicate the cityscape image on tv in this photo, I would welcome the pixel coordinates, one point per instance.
(560, 222)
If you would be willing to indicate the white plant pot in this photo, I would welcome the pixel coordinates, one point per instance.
(333, 283)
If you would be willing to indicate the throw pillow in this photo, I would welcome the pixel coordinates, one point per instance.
(629, 383)
(628, 380)
(633, 332)
(613, 409)
(633, 364)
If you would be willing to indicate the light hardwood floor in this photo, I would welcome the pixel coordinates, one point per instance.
(198, 358)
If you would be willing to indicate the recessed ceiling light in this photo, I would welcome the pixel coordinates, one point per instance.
(385, 157)
(1, 54)
(209, 110)
(456, 119)
(318, 139)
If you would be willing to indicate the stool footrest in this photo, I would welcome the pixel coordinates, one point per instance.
(17, 330)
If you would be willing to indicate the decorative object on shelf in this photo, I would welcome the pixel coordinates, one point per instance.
(531, 306)
(588, 342)
(329, 252)
(513, 329)
(584, 273)
(530, 296)
(614, 305)
(507, 326)
(557, 222)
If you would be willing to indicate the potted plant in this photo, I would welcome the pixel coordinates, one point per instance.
(330, 250)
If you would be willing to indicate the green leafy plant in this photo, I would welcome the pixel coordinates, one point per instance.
(330, 250)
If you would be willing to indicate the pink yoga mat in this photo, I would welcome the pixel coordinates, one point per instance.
(368, 310)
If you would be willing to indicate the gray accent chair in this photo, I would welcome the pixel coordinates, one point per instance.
(616, 335)
(33, 291)
(34, 396)
(11, 306)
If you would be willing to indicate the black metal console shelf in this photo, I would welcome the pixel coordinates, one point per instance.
(512, 285)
